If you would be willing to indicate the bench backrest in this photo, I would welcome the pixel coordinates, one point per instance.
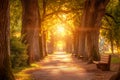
(105, 58)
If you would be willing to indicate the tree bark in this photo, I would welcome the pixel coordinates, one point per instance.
(90, 25)
(75, 42)
(5, 68)
(44, 43)
(31, 29)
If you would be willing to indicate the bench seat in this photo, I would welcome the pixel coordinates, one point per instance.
(104, 63)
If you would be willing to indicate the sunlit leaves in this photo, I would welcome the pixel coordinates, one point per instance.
(60, 12)
(15, 16)
(111, 23)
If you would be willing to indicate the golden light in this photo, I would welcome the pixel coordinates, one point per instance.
(17, 34)
(60, 45)
(61, 30)
(64, 16)
(63, 63)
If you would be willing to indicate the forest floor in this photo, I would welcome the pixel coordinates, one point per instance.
(62, 66)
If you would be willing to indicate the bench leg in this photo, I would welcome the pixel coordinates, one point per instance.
(103, 67)
(98, 66)
(106, 67)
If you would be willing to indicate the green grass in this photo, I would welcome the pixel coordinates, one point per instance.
(20, 72)
(115, 60)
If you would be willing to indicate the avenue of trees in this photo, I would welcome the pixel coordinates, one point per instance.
(27, 29)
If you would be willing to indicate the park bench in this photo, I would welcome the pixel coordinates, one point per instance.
(104, 62)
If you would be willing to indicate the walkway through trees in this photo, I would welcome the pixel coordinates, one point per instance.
(60, 66)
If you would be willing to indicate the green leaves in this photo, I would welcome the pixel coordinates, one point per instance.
(111, 23)
(18, 53)
(15, 16)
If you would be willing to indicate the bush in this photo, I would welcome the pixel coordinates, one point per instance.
(18, 53)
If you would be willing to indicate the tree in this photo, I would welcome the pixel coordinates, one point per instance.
(5, 69)
(93, 12)
(15, 17)
(111, 24)
(43, 31)
(31, 29)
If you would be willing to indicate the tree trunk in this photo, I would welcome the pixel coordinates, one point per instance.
(5, 69)
(112, 46)
(31, 29)
(75, 40)
(111, 42)
(90, 26)
(43, 51)
(81, 48)
(44, 43)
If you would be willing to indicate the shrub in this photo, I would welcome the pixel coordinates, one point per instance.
(18, 53)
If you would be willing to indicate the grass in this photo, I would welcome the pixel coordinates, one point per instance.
(115, 60)
(20, 73)
(22, 76)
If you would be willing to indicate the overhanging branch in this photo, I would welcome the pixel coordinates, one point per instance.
(62, 11)
(112, 17)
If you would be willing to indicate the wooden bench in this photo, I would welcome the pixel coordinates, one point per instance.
(104, 63)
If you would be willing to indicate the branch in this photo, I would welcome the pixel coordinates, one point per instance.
(105, 28)
(62, 11)
(106, 2)
(109, 15)
(108, 21)
(44, 9)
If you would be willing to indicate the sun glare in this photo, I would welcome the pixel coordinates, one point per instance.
(60, 45)
(60, 29)
(64, 16)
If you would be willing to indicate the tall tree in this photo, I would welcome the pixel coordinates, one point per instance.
(90, 25)
(31, 28)
(44, 7)
(111, 24)
(5, 69)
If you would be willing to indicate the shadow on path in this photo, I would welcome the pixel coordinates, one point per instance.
(62, 66)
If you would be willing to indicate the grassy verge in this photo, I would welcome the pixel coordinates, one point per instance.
(20, 73)
(115, 60)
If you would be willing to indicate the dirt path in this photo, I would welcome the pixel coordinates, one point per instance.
(62, 66)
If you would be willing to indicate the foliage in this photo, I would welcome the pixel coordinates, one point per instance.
(55, 13)
(18, 53)
(18, 50)
(15, 16)
(20, 73)
(111, 23)
(115, 60)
